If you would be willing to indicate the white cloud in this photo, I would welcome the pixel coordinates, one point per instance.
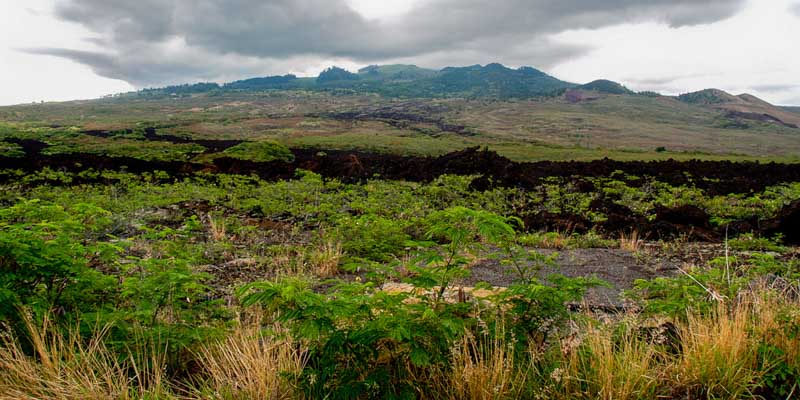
(26, 78)
(746, 53)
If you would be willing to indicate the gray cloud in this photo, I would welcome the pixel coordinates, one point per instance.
(148, 42)
(795, 9)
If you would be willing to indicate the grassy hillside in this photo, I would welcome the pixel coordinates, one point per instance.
(617, 126)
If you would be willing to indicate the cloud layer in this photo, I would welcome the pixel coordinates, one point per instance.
(153, 42)
(795, 8)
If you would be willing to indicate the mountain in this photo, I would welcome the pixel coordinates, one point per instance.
(708, 97)
(492, 80)
(742, 107)
(396, 73)
(336, 74)
(605, 86)
(495, 81)
(791, 109)
(270, 82)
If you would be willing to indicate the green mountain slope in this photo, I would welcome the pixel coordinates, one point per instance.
(492, 80)
(606, 86)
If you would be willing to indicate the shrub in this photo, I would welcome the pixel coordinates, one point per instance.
(361, 341)
(46, 263)
(264, 151)
(370, 237)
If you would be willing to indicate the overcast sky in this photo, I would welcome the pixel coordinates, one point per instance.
(76, 49)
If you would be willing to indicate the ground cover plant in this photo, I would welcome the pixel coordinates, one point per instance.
(270, 280)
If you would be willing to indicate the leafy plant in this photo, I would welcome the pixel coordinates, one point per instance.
(460, 229)
(47, 262)
(361, 341)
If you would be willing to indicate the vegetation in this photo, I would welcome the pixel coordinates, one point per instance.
(492, 80)
(621, 127)
(364, 290)
(174, 244)
(606, 86)
(260, 152)
(336, 74)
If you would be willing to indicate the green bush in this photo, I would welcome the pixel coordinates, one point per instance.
(47, 259)
(371, 237)
(362, 342)
(265, 151)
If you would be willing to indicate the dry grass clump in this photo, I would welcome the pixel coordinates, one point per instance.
(630, 242)
(325, 259)
(217, 228)
(484, 370)
(481, 368)
(611, 368)
(546, 240)
(249, 364)
(720, 355)
(320, 260)
(63, 366)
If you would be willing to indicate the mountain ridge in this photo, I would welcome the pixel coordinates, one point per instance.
(490, 81)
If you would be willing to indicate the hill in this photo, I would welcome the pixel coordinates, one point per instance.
(605, 86)
(523, 113)
(744, 107)
(496, 80)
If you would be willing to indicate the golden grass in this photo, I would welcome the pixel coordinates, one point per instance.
(630, 242)
(325, 259)
(546, 240)
(63, 366)
(217, 228)
(611, 368)
(483, 370)
(249, 364)
(720, 355)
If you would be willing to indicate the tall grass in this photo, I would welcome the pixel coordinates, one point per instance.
(326, 258)
(484, 369)
(748, 348)
(720, 356)
(630, 242)
(65, 366)
(249, 364)
(611, 367)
